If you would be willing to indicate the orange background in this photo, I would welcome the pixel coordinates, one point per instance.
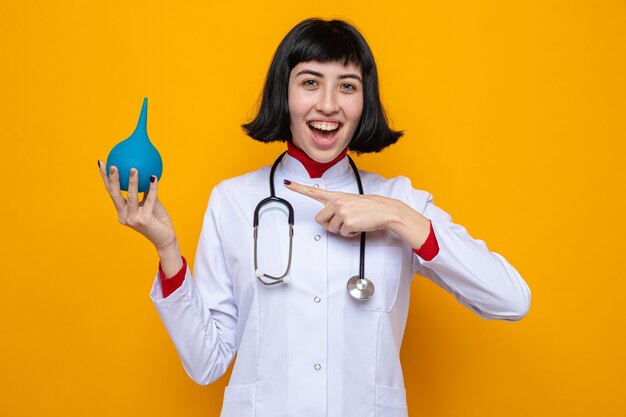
(514, 115)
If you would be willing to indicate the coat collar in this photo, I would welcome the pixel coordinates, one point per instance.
(292, 166)
(314, 168)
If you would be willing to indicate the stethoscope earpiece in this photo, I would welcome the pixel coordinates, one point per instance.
(359, 287)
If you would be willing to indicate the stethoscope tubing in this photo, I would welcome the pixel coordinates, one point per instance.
(273, 280)
(266, 279)
(362, 249)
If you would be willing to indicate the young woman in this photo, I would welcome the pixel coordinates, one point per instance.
(315, 311)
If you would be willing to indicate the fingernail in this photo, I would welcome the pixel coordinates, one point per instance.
(286, 182)
(132, 172)
(98, 163)
(152, 178)
(111, 170)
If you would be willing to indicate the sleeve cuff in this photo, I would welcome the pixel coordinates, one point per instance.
(171, 284)
(430, 248)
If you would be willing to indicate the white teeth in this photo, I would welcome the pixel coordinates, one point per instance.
(325, 125)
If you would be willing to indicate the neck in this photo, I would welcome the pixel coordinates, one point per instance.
(314, 168)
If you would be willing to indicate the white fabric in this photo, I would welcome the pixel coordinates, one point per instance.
(307, 348)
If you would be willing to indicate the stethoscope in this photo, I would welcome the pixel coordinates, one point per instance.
(359, 287)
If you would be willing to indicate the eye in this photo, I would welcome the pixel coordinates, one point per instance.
(309, 83)
(348, 86)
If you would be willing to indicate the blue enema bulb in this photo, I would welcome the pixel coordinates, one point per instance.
(137, 152)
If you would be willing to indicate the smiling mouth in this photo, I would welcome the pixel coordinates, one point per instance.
(325, 126)
(324, 131)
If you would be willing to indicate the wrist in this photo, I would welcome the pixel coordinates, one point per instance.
(397, 215)
(170, 251)
(170, 260)
(411, 226)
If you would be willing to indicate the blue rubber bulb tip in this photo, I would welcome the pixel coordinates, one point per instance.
(137, 152)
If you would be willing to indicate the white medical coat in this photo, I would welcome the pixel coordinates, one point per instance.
(306, 348)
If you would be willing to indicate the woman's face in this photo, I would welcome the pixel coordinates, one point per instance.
(325, 106)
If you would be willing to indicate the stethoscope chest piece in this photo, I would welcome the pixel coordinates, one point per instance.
(360, 288)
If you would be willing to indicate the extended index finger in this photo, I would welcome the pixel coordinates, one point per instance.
(323, 196)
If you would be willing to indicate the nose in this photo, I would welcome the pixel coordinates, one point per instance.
(327, 101)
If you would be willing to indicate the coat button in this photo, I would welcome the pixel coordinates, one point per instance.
(317, 237)
(317, 366)
(317, 299)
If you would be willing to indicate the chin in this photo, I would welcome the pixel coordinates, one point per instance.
(324, 155)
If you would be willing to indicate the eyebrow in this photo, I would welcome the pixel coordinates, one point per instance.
(319, 74)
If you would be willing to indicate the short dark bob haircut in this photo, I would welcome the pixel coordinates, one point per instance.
(324, 41)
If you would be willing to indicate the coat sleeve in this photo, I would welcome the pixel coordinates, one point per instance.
(481, 280)
(201, 315)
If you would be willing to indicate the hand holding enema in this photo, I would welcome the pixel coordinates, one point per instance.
(147, 217)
